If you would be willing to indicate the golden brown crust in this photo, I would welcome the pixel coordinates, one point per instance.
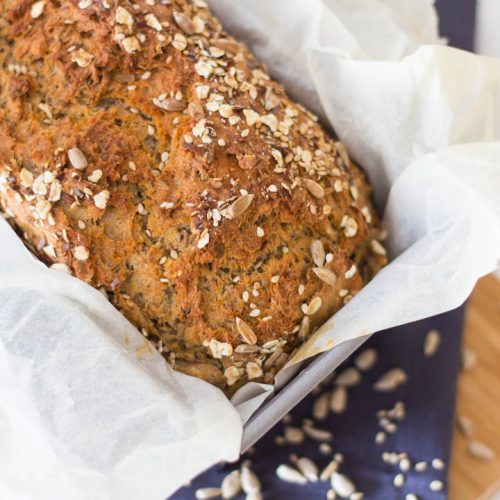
(146, 150)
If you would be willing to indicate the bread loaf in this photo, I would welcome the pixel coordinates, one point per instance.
(146, 152)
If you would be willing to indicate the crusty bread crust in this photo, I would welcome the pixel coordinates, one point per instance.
(148, 153)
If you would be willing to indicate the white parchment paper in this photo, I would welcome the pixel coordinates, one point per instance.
(89, 411)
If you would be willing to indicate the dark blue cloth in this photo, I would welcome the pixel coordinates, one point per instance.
(429, 395)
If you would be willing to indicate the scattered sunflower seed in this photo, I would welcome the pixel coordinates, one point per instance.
(318, 434)
(342, 485)
(366, 359)
(290, 475)
(405, 464)
(411, 496)
(480, 450)
(437, 464)
(465, 425)
(421, 466)
(331, 495)
(357, 495)
(325, 448)
(254, 495)
(399, 480)
(308, 468)
(293, 435)
(204, 493)
(436, 485)
(469, 359)
(338, 400)
(320, 407)
(348, 378)
(249, 480)
(231, 484)
(391, 380)
(432, 342)
(327, 472)
(380, 437)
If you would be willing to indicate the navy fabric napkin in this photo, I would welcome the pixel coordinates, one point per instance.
(428, 395)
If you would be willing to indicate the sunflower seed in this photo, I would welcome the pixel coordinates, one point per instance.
(348, 377)
(231, 484)
(77, 159)
(469, 359)
(398, 480)
(238, 207)
(308, 468)
(254, 495)
(204, 493)
(317, 434)
(247, 334)
(391, 380)
(421, 466)
(327, 472)
(432, 342)
(338, 400)
(325, 449)
(366, 360)
(357, 495)
(320, 407)
(480, 450)
(318, 253)
(171, 104)
(247, 349)
(331, 495)
(380, 437)
(293, 435)
(405, 464)
(314, 306)
(465, 425)
(378, 248)
(437, 464)
(304, 327)
(411, 496)
(436, 485)
(325, 275)
(184, 23)
(342, 485)
(290, 475)
(249, 480)
(314, 188)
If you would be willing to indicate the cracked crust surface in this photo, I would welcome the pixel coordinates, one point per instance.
(148, 153)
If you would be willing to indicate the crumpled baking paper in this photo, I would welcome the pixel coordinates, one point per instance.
(89, 410)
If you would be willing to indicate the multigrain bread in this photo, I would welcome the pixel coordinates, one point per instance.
(148, 153)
